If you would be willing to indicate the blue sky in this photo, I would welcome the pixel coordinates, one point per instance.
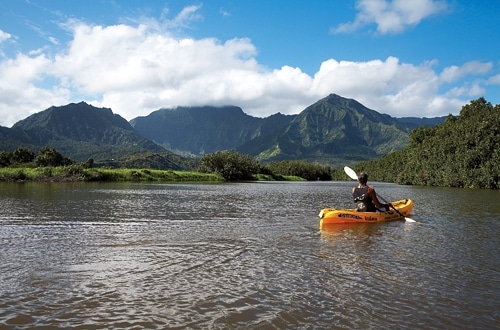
(420, 58)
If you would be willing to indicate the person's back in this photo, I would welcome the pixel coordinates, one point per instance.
(362, 198)
(366, 197)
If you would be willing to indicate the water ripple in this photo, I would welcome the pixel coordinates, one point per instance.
(242, 256)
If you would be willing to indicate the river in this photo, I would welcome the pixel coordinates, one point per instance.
(244, 255)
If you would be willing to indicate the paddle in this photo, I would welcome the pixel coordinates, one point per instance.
(352, 174)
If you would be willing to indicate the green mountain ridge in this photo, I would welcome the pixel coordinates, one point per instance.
(12, 139)
(335, 129)
(416, 122)
(207, 129)
(331, 131)
(82, 131)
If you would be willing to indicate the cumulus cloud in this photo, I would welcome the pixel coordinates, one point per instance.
(4, 36)
(137, 69)
(20, 93)
(395, 88)
(391, 16)
(454, 73)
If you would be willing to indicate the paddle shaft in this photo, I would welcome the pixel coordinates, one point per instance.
(395, 209)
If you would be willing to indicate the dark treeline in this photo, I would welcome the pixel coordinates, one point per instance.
(47, 156)
(464, 151)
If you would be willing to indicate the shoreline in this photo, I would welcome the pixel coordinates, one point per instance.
(79, 174)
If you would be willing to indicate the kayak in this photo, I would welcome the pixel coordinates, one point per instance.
(334, 216)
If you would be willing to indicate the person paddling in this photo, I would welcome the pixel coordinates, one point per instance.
(366, 197)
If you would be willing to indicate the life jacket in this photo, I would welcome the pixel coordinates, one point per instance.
(365, 203)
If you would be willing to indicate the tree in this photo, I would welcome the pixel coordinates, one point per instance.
(23, 155)
(5, 158)
(89, 163)
(49, 156)
(231, 165)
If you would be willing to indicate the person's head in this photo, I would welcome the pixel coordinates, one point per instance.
(363, 178)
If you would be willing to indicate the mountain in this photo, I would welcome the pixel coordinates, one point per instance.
(415, 122)
(203, 130)
(12, 139)
(333, 130)
(81, 131)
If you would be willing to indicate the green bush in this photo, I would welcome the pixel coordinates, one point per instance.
(22, 155)
(231, 165)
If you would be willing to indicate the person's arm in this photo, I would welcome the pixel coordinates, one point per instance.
(373, 195)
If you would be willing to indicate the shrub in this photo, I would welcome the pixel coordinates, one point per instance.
(231, 165)
(5, 158)
(22, 155)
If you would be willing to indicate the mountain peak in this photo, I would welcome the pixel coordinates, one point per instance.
(336, 128)
(72, 115)
(82, 130)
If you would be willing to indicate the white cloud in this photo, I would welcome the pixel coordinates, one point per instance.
(186, 16)
(494, 80)
(454, 73)
(387, 86)
(20, 94)
(391, 16)
(135, 70)
(4, 36)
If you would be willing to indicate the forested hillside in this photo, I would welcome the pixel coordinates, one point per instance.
(333, 131)
(201, 130)
(464, 151)
(80, 131)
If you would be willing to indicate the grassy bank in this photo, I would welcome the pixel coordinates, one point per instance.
(76, 173)
(270, 177)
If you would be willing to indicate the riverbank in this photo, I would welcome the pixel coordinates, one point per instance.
(75, 173)
(79, 174)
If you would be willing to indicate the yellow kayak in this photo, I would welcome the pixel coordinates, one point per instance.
(333, 216)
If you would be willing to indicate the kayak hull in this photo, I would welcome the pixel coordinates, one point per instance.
(335, 216)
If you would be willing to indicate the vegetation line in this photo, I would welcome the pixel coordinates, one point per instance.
(50, 165)
(76, 173)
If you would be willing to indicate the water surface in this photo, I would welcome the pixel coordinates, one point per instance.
(246, 255)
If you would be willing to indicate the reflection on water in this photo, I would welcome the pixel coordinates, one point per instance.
(243, 255)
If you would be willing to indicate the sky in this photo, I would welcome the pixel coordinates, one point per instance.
(418, 58)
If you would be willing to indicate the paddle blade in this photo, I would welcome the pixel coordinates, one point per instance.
(409, 220)
(350, 172)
